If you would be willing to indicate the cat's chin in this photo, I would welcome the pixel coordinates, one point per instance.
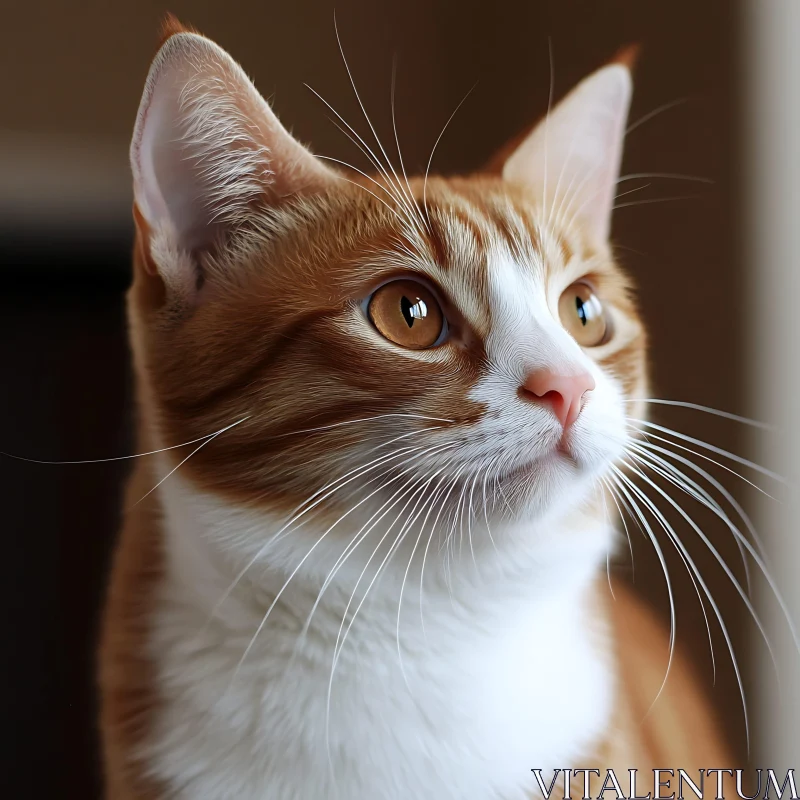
(555, 464)
(566, 468)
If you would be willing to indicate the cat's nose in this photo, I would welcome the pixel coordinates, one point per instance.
(564, 394)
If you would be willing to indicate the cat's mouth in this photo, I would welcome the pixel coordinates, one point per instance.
(564, 448)
(562, 454)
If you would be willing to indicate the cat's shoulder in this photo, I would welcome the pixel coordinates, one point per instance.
(662, 703)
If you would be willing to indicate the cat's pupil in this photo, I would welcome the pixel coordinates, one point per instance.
(413, 311)
(579, 305)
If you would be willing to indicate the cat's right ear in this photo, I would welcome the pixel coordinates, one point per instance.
(207, 151)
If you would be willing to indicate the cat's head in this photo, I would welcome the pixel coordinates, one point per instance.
(357, 337)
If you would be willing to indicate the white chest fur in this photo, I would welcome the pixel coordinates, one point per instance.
(501, 677)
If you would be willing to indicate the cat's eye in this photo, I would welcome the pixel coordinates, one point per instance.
(583, 315)
(407, 313)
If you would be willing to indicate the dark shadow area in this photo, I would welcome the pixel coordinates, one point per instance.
(65, 396)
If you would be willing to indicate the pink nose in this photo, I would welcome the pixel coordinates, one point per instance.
(563, 393)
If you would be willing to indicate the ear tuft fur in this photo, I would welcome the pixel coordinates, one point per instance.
(172, 26)
(628, 56)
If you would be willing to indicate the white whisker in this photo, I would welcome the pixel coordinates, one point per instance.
(655, 112)
(655, 200)
(712, 448)
(409, 200)
(181, 463)
(433, 151)
(669, 175)
(707, 409)
(120, 458)
(653, 462)
(620, 481)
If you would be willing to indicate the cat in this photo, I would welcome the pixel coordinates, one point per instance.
(366, 556)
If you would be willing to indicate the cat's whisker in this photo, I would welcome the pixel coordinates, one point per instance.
(351, 476)
(377, 462)
(649, 437)
(434, 528)
(367, 419)
(691, 570)
(676, 176)
(654, 113)
(650, 200)
(430, 504)
(404, 436)
(499, 486)
(341, 638)
(401, 212)
(652, 449)
(470, 514)
(486, 472)
(727, 571)
(410, 194)
(679, 479)
(413, 488)
(346, 458)
(120, 458)
(421, 584)
(360, 536)
(183, 461)
(631, 191)
(308, 553)
(607, 520)
(455, 516)
(547, 129)
(621, 482)
(336, 645)
(712, 448)
(707, 409)
(433, 151)
(677, 542)
(390, 189)
(307, 506)
(361, 186)
(696, 528)
(610, 490)
(413, 516)
(458, 517)
(349, 549)
(409, 199)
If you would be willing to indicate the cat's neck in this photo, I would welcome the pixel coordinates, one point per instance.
(478, 567)
(487, 669)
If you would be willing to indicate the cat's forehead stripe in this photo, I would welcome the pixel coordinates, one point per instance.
(477, 231)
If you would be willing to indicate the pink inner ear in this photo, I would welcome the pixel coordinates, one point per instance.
(572, 158)
(207, 147)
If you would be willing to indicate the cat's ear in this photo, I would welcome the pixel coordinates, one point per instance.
(207, 149)
(572, 157)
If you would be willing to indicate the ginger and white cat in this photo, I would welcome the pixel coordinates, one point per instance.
(378, 570)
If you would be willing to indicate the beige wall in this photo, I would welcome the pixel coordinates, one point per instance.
(773, 28)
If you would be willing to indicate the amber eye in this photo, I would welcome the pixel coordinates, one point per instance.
(406, 313)
(583, 316)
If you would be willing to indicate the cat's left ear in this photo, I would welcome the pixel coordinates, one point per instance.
(572, 157)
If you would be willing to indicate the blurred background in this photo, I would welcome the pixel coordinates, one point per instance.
(717, 98)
